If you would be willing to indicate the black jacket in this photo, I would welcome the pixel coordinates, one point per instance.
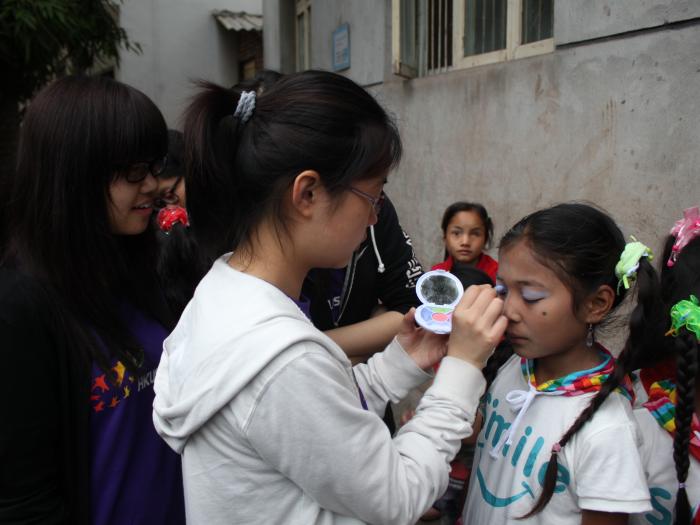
(44, 434)
(365, 284)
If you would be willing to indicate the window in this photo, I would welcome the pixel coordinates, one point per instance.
(434, 36)
(303, 34)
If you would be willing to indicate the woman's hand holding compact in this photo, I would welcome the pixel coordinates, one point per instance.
(425, 348)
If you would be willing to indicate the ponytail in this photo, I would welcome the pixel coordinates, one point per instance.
(647, 320)
(212, 137)
(503, 352)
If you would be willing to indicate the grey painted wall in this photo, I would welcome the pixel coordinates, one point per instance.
(366, 19)
(368, 46)
(278, 35)
(615, 123)
(576, 21)
(181, 40)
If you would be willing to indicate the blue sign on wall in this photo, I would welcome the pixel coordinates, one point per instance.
(341, 48)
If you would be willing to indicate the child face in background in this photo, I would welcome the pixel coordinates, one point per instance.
(465, 237)
(171, 190)
(542, 323)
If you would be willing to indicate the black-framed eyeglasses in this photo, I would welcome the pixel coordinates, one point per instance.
(376, 202)
(169, 196)
(140, 170)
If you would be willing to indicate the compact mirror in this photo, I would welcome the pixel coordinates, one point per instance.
(439, 291)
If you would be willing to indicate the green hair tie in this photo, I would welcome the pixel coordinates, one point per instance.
(686, 313)
(627, 266)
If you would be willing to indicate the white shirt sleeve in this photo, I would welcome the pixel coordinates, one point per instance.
(309, 425)
(388, 376)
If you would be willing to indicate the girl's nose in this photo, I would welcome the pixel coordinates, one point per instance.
(510, 309)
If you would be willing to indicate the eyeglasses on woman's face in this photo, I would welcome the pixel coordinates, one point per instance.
(376, 202)
(139, 171)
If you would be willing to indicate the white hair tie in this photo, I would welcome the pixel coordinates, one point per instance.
(245, 106)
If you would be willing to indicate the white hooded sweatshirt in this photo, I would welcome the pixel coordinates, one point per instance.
(266, 413)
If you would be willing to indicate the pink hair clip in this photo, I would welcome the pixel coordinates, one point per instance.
(556, 448)
(685, 230)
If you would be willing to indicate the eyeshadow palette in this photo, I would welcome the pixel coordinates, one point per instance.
(439, 291)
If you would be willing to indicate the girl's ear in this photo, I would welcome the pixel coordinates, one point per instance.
(598, 304)
(305, 192)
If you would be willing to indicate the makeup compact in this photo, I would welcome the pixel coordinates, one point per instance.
(439, 291)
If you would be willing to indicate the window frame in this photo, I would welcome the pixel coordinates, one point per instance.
(302, 10)
(514, 49)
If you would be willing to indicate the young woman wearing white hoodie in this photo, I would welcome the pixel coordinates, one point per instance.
(273, 423)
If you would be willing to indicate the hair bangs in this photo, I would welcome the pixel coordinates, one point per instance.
(379, 150)
(138, 127)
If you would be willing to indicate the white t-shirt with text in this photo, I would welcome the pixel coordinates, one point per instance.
(657, 459)
(599, 469)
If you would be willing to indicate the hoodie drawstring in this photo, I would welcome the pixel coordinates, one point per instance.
(380, 267)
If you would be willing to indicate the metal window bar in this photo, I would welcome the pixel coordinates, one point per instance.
(439, 38)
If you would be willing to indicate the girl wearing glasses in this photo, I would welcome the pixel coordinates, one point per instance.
(81, 316)
(273, 423)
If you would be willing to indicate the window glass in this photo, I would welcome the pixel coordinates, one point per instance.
(537, 20)
(484, 26)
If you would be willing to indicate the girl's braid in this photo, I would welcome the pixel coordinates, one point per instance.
(614, 380)
(503, 352)
(686, 347)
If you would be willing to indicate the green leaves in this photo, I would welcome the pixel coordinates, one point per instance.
(42, 39)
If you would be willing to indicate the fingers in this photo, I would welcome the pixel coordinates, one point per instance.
(481, 308)
(498, 328)
(477, 325)
(410, 316)
(408, 323)
(490, 315)
(470, 296)
(476, 298)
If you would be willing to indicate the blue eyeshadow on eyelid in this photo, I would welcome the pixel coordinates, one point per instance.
(530, 295)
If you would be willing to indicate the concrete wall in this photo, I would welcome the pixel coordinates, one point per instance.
(613, 121)
(181, 40)
(278, 35)
(611, 117)
(577, 21)
(366, 19)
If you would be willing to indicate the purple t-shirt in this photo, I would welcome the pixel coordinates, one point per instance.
(135, 477)
(304, 305)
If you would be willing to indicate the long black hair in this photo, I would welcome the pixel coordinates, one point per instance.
(237, 172)
(677, 283)
(582, 245)
(79, 134)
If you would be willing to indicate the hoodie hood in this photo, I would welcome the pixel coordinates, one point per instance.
(220, 344)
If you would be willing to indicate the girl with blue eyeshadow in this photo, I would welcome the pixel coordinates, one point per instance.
(558, 442)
